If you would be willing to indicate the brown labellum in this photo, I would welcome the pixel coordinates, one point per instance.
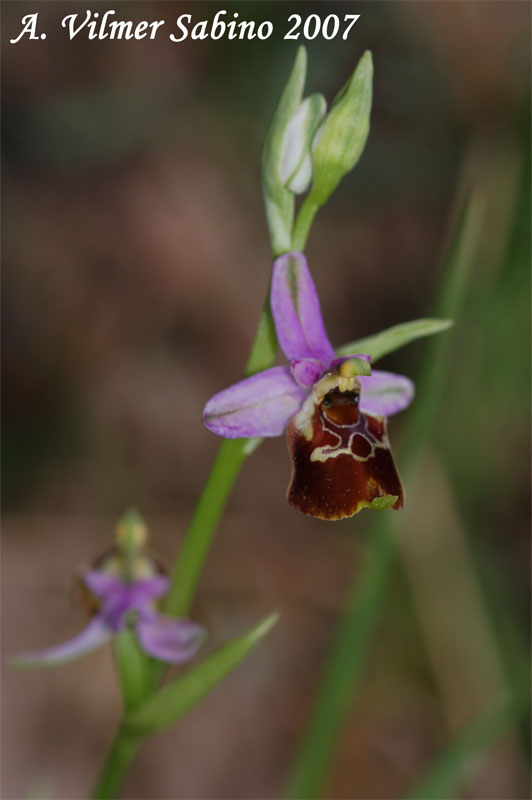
(342, 462)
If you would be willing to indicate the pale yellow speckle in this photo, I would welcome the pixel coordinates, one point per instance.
(346, 369)
(131, 531)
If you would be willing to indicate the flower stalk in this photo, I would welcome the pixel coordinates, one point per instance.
(200, 533)
(120, 757)
(305, 218)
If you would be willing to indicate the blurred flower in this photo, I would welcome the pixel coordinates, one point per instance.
(123, 593)
(334, 409)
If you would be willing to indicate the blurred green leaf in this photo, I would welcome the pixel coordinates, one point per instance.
(174, 700)
(380, 344)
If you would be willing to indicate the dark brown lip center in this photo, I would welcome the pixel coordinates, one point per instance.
(341, 407)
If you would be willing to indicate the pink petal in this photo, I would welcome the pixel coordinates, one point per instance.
(146, 589)
(172, 640)
(102, 584)
(384, 393)
(91, 637)
(257, 406)
(306, 371)
(296, 311)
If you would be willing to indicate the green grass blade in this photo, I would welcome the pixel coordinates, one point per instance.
(345, 668)
(443, 778)
(172, 701)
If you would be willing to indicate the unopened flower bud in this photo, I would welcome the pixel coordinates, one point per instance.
(278, 200)
(340, 140)
(295, 168)
(131, 532)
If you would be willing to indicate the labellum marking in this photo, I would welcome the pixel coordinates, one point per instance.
(342, 460)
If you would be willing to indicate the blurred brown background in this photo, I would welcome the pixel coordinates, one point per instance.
(135, 263)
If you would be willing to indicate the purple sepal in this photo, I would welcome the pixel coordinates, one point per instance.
(306, 371)
(296, 311)
(105, 586)
(145, 589)
(384, 393)
(101, 583)
(171, 640)
(118, 597)
(257, 406)
(91, 637)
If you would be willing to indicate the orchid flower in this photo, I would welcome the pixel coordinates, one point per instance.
(333, 409)
(123, 593)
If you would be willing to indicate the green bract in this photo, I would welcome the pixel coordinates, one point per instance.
(172, 701)
(341, 138)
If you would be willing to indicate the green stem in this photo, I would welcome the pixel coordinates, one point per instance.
(304, 220)
(193, 554)
(132, 666)
(231, 455)
(202, 528)
(122, 752)
(342, 676)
